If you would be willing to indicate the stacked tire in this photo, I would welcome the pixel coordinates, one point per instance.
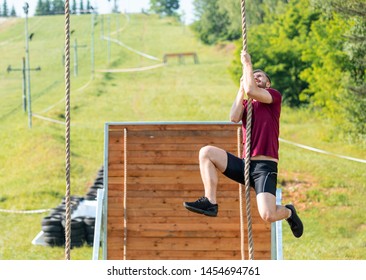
(98, 184)
(82, 228)
(77, 232)
(53, 225)
(89, 230)
(53, 231)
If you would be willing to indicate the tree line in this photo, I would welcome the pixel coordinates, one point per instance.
(55, 7)
(5, 11)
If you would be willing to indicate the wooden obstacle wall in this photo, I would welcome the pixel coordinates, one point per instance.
(160, 173)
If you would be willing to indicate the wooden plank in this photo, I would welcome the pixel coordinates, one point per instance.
(165, 146)
(224, 185)
(144, 182)
(186, 255)
(197, 244)
(193, 255)
(203, 140)
(116, 210)
(117, 254)
(170, 203)
(186, 195)
(182, 234)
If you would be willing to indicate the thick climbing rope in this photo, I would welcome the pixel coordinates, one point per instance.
(247, 145)
(125, 194)
(67, 131)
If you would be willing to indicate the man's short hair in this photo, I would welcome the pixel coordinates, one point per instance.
(260, 70)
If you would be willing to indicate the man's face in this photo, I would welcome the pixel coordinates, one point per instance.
(261, 80)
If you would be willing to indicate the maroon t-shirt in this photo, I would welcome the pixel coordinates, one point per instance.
(265, 126)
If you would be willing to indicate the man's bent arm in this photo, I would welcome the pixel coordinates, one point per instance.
(237, 109)
(249, 84)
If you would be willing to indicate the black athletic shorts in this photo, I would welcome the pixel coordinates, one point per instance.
(262, 173)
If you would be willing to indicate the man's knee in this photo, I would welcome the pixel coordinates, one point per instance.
(205, 152)
(267, 215)
(214, 155)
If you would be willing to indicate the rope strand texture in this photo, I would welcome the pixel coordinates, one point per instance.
(247, 145)
(67, 131)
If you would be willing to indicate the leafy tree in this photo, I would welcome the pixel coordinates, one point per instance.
(74, 7)
(325, 75)
(88, 7)
(47, 7)
(115, 6)
(5, 9)
(58, 7)
(39, 8)
(221, 19)
(13, 12)
(342, 63)
(81, 7)
(276, 46)
(213, 23)
(165, 7)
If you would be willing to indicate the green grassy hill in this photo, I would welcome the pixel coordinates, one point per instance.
(328, 191)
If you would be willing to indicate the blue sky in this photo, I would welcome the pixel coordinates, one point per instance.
(104, 6)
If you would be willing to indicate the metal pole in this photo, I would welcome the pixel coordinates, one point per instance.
(76, 58)
(26, 6)
(24, 71)
(24, 86)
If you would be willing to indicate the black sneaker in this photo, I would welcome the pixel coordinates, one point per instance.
(295, 222)
(202, 206)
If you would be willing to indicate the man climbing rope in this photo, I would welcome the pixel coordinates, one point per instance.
(266, 106)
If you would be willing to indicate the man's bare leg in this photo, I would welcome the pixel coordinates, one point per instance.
(268, 210)
(211, 159)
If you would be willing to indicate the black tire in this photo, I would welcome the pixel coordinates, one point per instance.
(57, 212)
(58, 234)
(78, 238)
(89, 238)
(51, 221)
(54, 241)
(76, 244)
(76, 223)
(90, 221)
(52, 228)
(99, 179)
(90, 197)
(58, 216)
(95, 188)
(89, 229)
(78, 231)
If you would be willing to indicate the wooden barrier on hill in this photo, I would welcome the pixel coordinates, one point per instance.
(181, 56)
(153, 168)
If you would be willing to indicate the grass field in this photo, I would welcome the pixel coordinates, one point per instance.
(329, 191)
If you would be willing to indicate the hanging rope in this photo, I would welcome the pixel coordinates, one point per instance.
(239, 143)
(67, 131)
(125, 195)
(247, 144)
